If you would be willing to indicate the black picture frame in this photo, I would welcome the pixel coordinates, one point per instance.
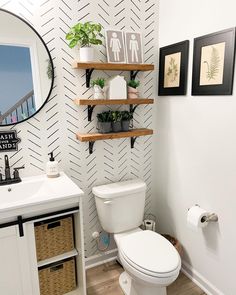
(226, 71)
(182, 48)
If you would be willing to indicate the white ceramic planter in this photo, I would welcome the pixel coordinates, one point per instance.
(132, 92)
(98, 92)
(86, 54)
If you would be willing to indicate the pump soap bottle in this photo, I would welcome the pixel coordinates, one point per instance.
(52, 167)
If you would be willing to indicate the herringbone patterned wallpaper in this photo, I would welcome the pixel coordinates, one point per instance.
(55, 126)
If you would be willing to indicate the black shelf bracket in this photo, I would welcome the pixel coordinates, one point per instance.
(133, 75)
(91, 144)
(88, 76)
(132, 141)
(132, 108)
(90, 112)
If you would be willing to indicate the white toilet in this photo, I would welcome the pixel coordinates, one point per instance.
(150, 261)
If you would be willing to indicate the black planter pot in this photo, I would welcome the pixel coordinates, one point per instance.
(125, 125)
(104, 127)
(116, 126)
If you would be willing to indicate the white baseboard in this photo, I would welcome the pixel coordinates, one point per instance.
(101, 258)
(199, 280)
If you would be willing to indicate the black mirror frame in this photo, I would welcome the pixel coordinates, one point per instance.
(51, 61)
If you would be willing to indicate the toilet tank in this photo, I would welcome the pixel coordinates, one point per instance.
(120, 205)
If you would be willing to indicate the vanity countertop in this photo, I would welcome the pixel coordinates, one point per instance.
(38, 194)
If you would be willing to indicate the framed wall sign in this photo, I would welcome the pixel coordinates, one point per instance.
(134, 47)
(115, 46)
(9, 141)
(213, 63)
(173, 64)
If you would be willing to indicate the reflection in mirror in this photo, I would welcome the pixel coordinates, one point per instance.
(26, 70)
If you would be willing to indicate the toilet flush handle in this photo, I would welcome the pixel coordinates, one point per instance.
(107, 202)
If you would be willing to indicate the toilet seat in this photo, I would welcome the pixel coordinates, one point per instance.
(151, 254)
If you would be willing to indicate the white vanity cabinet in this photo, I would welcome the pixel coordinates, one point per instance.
(39, 199)
(10, 262)
(19, 268)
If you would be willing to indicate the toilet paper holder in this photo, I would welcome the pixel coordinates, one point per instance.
(212, 217)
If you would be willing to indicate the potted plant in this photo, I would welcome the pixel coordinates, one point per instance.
(125, 120)
(104, 122)
(85, 35)
(98, 86)
(116, 121)
(132, 88)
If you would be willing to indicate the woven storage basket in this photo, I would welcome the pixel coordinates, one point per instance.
(58, 279)
(54, 237)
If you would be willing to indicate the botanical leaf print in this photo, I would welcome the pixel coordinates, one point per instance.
(172, 70)
(213, 65)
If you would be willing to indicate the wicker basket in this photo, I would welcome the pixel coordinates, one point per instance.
(175, 243)
(58, 279)
(54, 237)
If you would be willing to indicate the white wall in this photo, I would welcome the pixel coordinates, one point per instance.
(196, 152)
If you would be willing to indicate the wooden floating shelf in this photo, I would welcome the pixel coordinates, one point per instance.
(95, 102)
(91, 103)
(92, 137)
(104, 66)
(89, 67)
(99, 136)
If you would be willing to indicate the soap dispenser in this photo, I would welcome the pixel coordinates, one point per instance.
(52, 167)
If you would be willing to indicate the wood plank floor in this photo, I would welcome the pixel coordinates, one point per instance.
(104, 280)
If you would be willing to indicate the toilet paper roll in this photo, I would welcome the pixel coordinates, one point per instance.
(196, 217)
(149, 224)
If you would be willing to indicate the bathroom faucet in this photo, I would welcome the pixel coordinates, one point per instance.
(8, 179)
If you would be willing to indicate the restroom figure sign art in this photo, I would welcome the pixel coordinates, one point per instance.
(115, 46)
(134, 47)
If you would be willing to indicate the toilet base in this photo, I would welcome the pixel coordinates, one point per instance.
(129, 289)
(125, 283)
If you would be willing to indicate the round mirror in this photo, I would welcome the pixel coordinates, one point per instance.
(26, 70)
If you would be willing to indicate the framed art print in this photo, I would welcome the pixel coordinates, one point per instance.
(173, 64)
(213, 63)
(134, 47)
(115, 46)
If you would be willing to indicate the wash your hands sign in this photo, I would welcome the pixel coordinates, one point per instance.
(9, 141)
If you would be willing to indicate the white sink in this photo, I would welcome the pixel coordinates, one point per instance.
(37, 191)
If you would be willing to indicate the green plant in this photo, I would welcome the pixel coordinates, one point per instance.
(85, 34)
(126, 116)
(213, 65)
(99, 81)
(134, 83)
(104, 117)
(116, 116)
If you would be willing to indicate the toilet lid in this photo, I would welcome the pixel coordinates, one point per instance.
(150, 251)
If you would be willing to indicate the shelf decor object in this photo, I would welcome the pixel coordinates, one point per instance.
(213, 63)
(92, 103)
(173, 69)
(133, 134)
(89, 67)
(85, 35)
(115, 46)
(134, 47)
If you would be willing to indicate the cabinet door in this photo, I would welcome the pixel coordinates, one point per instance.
(10, 270)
